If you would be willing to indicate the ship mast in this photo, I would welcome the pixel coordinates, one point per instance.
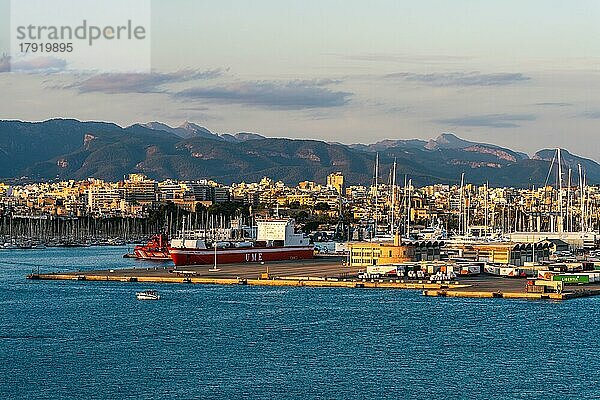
(376, 193)
(549, 208)
(581, 199)
(569, 212)
(393, 197)
(560, 194)
(460, 207)
(486, 209)
(409, 209)
(404, 204)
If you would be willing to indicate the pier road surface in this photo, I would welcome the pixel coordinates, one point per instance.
(318, 272)
(320, 267)
(305, 272)
(491, 283)
(317, 267)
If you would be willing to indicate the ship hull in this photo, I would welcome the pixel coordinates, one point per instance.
(151, 254)
(186, 256)
(156, 249)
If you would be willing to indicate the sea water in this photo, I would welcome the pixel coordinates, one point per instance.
(94, 340)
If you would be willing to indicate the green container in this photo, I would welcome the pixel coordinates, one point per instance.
(572, 278)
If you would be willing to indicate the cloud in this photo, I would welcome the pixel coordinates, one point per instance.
(138, 83)
(461, 78)
(46, 64)
(194, 108)
(591, 114)
(554, 104)
(402, 58)
(489, 120)
(298, 94)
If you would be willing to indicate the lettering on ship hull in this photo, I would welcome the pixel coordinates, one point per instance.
(254, 257)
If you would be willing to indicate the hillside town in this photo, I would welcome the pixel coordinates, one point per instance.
(339, 211)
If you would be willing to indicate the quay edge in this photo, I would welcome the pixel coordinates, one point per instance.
(511, 295)
(287, 281)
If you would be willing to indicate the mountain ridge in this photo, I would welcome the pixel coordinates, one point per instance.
(189, 130)
(72, 149)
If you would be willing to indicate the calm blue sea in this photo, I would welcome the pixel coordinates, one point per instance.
(75, 340)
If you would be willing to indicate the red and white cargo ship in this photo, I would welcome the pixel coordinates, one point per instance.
(276, 240)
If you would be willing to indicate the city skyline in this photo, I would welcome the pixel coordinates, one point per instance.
(387, 207)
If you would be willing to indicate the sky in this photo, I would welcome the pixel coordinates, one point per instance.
(521, 74)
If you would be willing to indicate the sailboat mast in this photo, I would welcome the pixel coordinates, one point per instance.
(581, 197)
(569, 212)
(409, 208)
(393, 197)
(376, 193)
(560, 194)
(460, 207)
(404, 203)
(486, 208)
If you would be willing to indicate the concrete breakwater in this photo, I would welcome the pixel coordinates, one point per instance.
(286, 281)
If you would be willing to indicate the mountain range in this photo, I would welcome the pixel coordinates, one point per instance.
(72, 149)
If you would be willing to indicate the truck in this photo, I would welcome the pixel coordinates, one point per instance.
(492, 270)
(544, 286)
(470, 270)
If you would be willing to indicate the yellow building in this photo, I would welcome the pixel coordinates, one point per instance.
(373, 253)
(309, 185)
(336, 180)
(363, 254)
(302, 199)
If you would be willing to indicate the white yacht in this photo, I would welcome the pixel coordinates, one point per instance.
(148, 295)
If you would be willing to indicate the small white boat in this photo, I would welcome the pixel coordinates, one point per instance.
(148, 295)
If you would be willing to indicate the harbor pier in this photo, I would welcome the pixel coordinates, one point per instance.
(320, 272)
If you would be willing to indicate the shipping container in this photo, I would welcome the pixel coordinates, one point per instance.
(381, 270)
(546, 275)
(470, 270)
(572, 278)
(492, 269)
(556, 286)
(509, 271)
